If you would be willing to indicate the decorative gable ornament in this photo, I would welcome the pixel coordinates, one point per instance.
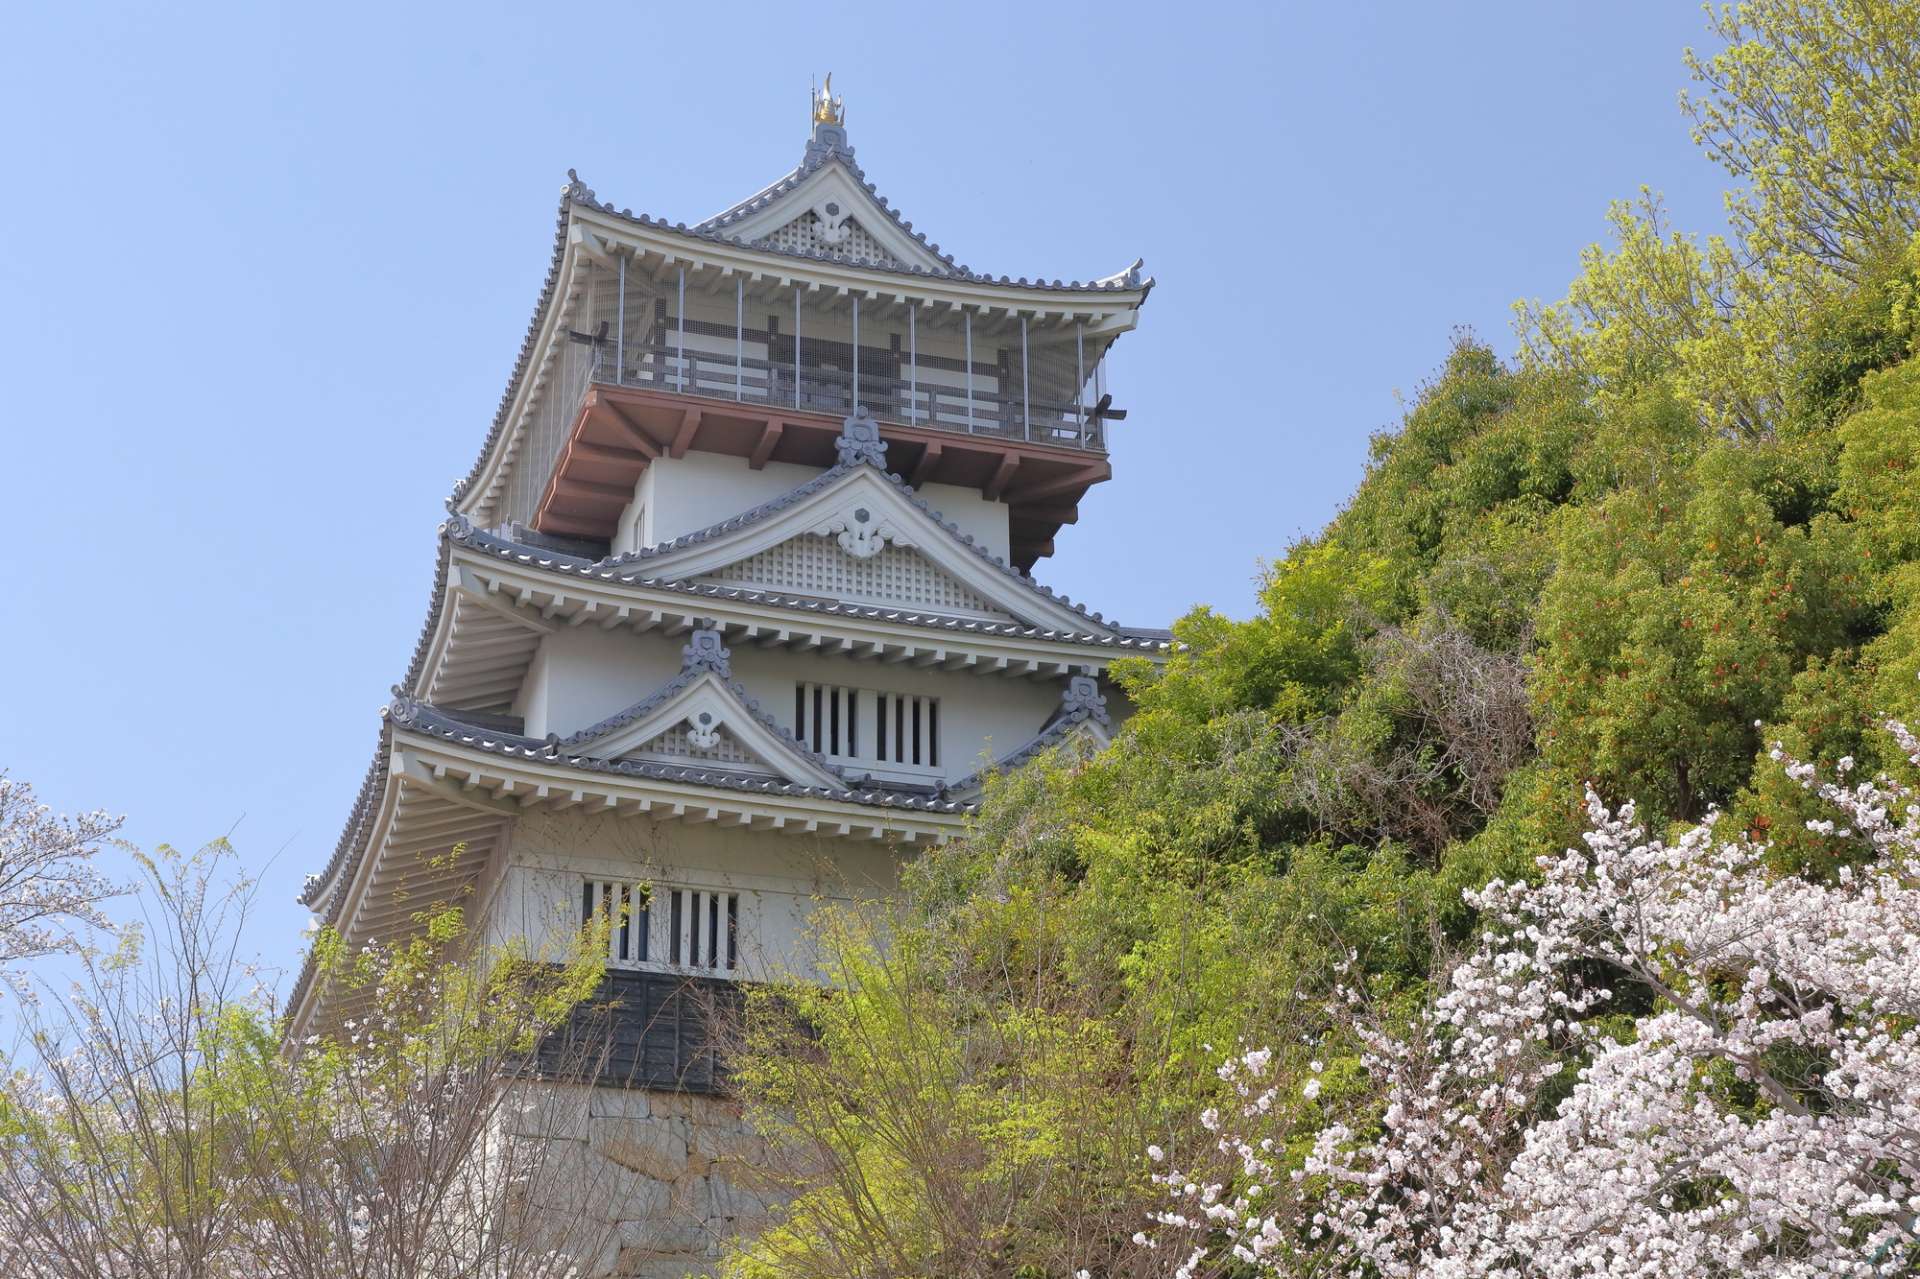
(860, 440)
(706, 650)
(1083, 698)
(836, 222)
(860, 531)
(703, 730)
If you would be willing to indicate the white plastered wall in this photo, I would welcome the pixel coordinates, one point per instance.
(783, 881)
(582, 675)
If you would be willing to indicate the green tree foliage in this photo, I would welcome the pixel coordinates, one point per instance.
(1682, 524)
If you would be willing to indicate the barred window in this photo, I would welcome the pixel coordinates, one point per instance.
(863, 726)
(658, 924)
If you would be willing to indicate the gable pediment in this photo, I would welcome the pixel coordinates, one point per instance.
(701, 718)
(831, 211)
(859, 515)
(701, 739)
(890, 575)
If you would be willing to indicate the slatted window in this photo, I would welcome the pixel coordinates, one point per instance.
(907, 729)
(827, 718)
(863, 726)
(695, 928)
(627, 909)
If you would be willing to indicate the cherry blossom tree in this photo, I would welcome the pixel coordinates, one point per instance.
(48, 883)
(1661, 1059)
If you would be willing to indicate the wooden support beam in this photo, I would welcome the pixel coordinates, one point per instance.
(594, 492)
(1055, 513)
(929, 458)
(769, 437)
(683, 438)
(630, 431)
(587, 452)
(1009, 463)
(1072, 481)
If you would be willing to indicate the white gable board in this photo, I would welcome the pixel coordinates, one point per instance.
(846, 219)
(863, 512)
(892, 576)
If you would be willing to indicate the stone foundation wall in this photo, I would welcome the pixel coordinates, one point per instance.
(665, 1178)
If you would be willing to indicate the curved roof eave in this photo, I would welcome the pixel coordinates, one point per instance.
(579, 568)
(820, 156)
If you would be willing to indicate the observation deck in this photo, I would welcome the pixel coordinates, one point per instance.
(1011, 405)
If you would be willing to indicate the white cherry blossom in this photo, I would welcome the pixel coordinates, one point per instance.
(1745, 1091)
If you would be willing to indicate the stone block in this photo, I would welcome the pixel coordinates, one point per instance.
(619, 1103)
(737, 1199)
(664, 1234)
(649, 1147)
(546, 1110)
(696, 1107)
(734, 1144)
(642, 1263)
(622, 1195)
(691, 1200)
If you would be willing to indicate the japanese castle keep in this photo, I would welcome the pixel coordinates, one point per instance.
(733, 613)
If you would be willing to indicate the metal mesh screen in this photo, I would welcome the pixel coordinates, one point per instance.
(549, 415)
(725, 339)
(1054, 377)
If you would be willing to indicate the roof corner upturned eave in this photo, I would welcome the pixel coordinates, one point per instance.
(468, 491)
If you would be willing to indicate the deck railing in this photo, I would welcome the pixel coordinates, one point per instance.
(902, 394)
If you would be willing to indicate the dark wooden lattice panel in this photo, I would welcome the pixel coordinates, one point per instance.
(646, 1030)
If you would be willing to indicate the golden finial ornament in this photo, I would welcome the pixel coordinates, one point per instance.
(828, 109)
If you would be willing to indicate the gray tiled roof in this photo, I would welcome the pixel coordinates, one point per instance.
(1133, 638)
(818, 157)
(527, 345)
(1045, 740)
(422, 717)
(712, 230)
(672, 689)
(365, 805)
(458, 529)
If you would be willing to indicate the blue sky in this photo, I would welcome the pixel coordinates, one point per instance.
(263, 272)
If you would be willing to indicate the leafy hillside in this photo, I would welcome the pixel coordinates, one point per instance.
(1679, 525)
